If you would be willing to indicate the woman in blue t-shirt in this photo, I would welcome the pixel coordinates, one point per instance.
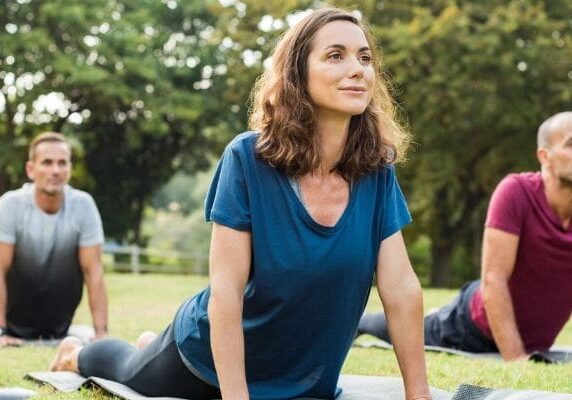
(305, 210)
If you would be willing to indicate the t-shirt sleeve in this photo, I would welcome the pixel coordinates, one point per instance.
(396, 214)
(7, 219)
(91, 232)
(227, 200)
(505, 211)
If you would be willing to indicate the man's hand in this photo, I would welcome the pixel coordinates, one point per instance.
(6, 255)
(6, 340)
(519, 358)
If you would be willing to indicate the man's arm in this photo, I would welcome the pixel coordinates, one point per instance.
(90, 261)
(6, 256)
(498, 258)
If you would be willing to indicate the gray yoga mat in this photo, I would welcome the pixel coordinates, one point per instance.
(354, 387)
(557, 354)
(471, 392)
(16, 393)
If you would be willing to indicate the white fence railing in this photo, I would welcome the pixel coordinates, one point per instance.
(137, 260)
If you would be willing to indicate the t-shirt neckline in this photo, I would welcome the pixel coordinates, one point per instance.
(305, 215)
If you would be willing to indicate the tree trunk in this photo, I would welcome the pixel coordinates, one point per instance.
(476, 246)
(441, 261)
(4, 183)
(138, 220)
(9, 134)
(442, 242)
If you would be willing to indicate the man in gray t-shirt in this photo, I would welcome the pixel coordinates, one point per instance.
(50, 242)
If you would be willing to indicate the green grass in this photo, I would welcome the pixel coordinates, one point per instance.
(145, 302)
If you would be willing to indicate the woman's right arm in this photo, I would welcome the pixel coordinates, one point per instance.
(229, 268)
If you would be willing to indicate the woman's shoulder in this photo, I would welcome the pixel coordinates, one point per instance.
(384, 172)
(242, 148)
(379, 180)
(244, 140)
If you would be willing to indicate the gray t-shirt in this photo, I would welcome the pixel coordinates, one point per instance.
(45, 280)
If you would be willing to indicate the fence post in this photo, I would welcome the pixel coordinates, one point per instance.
(135, 252)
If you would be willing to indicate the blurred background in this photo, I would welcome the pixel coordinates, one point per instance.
(150, 91)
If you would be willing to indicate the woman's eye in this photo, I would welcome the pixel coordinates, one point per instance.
(365, 59)
(335, 56)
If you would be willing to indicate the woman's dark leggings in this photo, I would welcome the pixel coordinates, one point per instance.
(157, 370)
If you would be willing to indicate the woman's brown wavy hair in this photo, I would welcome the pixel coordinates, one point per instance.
(283, 112)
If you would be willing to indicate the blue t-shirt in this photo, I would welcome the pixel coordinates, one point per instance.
(308, 284)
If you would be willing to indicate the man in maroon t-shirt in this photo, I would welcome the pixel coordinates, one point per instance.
(524, 297)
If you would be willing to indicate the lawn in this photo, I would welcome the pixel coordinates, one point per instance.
(141, 302)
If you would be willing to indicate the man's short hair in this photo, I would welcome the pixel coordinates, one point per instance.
(549, 126)
(45, 137)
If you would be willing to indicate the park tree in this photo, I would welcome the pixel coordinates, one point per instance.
(156, 113)
(34, 44)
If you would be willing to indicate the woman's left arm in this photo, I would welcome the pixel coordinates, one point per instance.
(402, 299)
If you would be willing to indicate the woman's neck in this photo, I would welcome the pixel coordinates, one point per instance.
(333, 134)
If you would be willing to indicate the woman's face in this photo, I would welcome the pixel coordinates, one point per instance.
(341, 76)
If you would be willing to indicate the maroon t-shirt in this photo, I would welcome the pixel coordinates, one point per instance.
(541, 283)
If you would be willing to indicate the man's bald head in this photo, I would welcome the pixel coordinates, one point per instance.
(551, 125)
